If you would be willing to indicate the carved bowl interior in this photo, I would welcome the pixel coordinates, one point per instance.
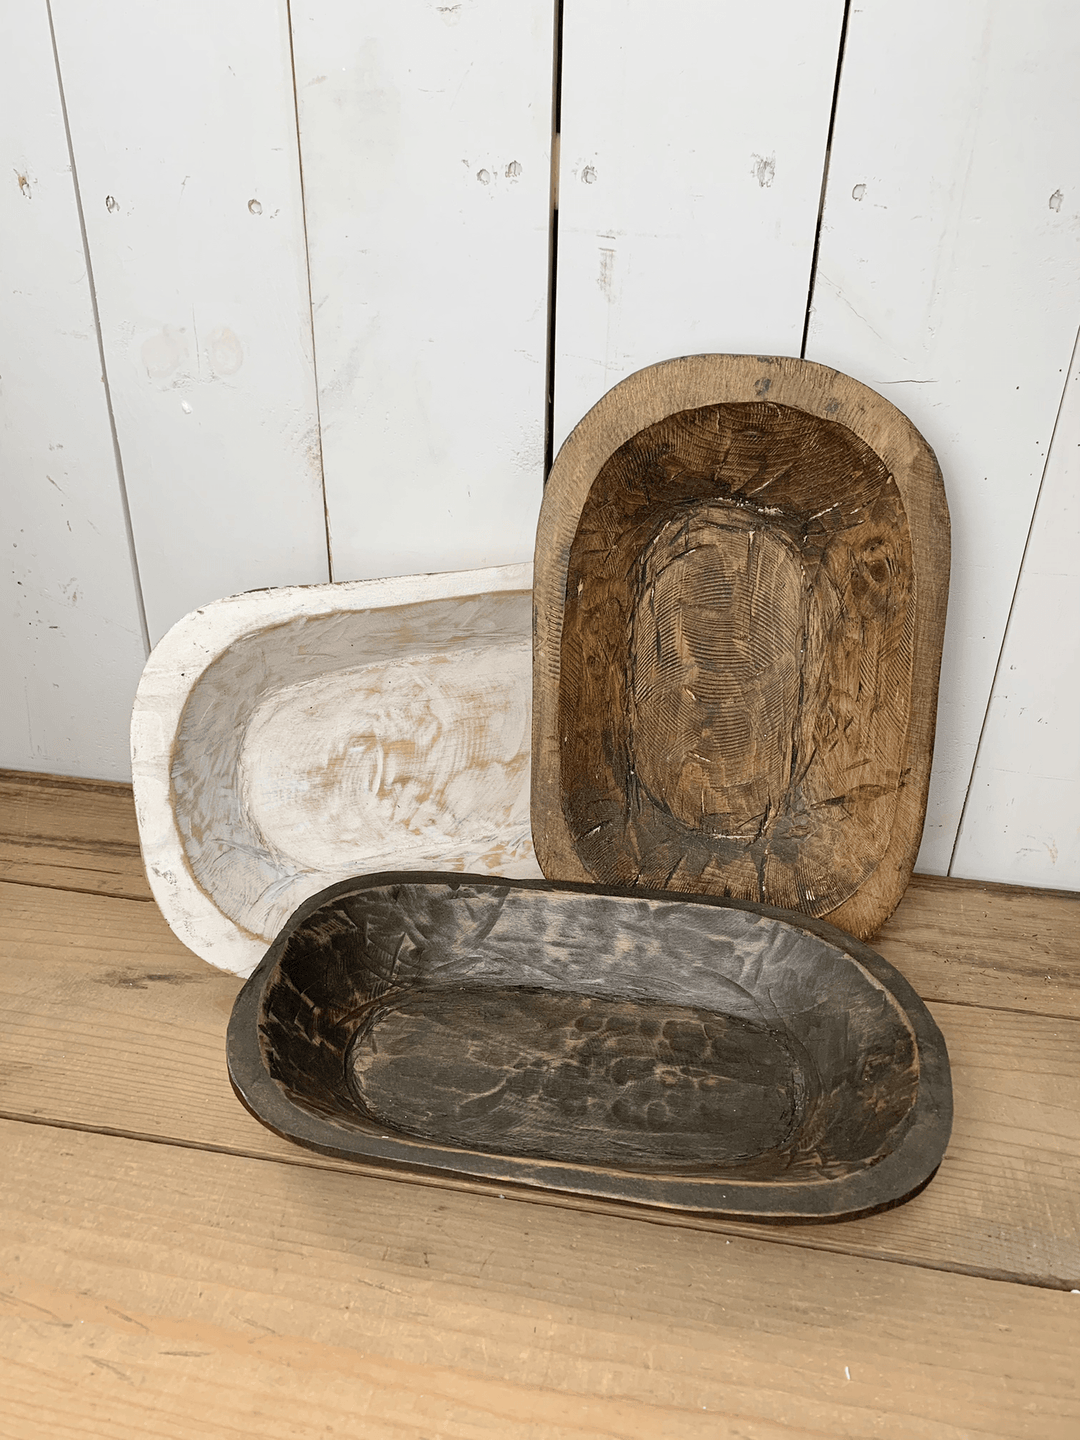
(738, 649)
(693, 1053)
(288, 739)
(739, 611)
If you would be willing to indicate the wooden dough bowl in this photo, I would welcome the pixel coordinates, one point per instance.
(288, 738)
(739, 597)
(690, 1053)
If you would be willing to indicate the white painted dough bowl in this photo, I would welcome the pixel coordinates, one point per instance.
(285, 739)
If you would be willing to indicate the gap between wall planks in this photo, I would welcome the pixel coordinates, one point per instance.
(209, 1295)
(951, 168)
(553, 237)
(687, 207)
(71, 628)
(840, 51)
(142, 1023)
(195, 230)
(1021, 808)
(425, 133)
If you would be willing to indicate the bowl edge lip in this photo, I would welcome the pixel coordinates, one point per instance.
(898, 1176)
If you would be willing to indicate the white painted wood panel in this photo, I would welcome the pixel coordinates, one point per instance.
(1022, 820)
(693, 142)
(70, 629)
(947, 279)
(425, 134)
(185, 146)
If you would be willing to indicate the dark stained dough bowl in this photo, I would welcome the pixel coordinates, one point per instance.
(692, 1053)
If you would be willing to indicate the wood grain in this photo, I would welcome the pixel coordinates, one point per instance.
(183, 1293)
(741, 571)
(998, 945)
(70, 834)
(143, 1024)
(759, 660)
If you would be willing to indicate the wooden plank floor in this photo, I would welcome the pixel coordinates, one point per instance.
(170, 1268)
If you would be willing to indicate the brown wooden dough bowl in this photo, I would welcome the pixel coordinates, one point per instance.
(692, 1053)
(739, 601)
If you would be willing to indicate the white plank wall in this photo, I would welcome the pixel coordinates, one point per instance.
(693, 142)
(1022, 820)
(184, 135)
(947, 279)
(426, 134)
(70, 629)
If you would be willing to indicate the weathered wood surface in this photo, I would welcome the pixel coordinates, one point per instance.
(686, 1053)
(741, 573)
(1003, 946)
(148, 1289)
(143, 1023)
(287, 739)
(70, 834)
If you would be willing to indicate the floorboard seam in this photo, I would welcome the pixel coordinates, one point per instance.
(998, 1009)
(76, 890)
(767, 1233)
